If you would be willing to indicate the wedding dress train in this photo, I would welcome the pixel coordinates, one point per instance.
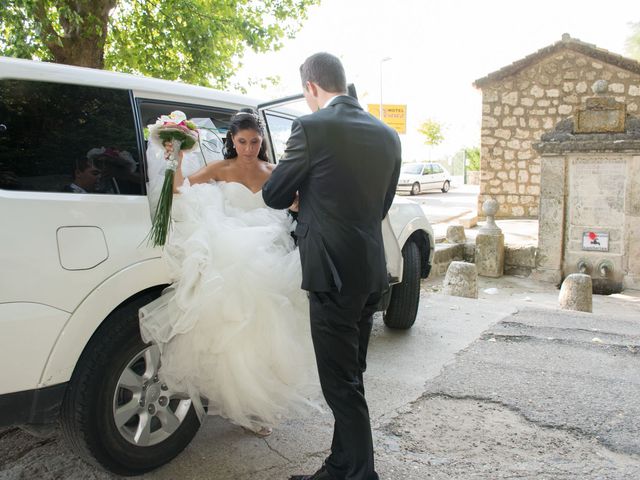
(234, 326)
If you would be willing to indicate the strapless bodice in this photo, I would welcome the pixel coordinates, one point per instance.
(240, 196)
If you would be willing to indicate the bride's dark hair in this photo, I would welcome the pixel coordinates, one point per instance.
(245, 119)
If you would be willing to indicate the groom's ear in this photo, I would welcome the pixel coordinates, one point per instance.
(312, 88)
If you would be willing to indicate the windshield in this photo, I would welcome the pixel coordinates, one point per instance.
(413, 169)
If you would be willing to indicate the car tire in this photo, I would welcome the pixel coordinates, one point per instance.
(415, 189)
(116, 378)
(446, 186)
(405, 296)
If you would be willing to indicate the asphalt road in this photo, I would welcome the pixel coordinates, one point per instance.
(505, 386)
(568, 370)
(399, 365)
(443, 207)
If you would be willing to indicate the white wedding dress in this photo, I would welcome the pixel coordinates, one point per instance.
(234, 326)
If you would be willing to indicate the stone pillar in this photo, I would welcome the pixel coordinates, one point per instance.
(632, 224)
(490, 244)
(461, 280)
(576, 293)
(551, 223)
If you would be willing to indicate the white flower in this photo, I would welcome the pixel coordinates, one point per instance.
(174, 117)
(95, 153)
(117, 157)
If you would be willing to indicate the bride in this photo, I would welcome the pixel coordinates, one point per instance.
(233, 327)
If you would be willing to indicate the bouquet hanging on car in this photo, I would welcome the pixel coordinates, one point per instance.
(175, 134)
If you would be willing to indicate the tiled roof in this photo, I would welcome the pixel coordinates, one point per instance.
(568, 43)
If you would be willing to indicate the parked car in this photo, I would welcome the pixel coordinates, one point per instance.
(416, 178)
(76, 267)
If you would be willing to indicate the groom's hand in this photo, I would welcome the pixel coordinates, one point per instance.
(295, 205)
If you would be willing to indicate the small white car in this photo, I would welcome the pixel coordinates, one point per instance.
(76, 267)
(416, 178)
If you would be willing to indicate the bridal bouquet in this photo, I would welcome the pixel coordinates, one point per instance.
(175, 133)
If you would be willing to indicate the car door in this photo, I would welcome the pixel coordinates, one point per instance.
(438, 176)
(70, 183)
(278, 120)
(426, 181)
(73, 210)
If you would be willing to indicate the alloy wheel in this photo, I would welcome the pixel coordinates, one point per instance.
(145, 410)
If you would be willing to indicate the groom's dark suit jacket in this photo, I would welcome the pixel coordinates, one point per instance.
(345, 165)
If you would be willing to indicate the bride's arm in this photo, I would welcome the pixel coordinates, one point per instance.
(204, 175)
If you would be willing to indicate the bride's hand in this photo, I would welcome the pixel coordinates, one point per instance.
(294, 206)
(168, 151)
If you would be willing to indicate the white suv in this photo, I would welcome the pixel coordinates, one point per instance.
(76, 267)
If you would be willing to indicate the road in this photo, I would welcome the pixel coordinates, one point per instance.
(444, 207)
(487, 388)
(399, 365)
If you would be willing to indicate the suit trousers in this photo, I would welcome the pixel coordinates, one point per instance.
(340, 328)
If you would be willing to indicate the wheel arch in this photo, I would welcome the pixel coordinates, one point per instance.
(424, 241)
(121, 289)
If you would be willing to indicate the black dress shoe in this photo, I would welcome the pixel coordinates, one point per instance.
(321, 474)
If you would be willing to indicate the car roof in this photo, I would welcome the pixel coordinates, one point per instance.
(142, 87)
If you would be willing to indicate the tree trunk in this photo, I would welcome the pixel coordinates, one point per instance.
(84, 34)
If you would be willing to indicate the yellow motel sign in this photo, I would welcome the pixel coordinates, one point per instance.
(394, 115)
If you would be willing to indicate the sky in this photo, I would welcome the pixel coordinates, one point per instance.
(437, 48)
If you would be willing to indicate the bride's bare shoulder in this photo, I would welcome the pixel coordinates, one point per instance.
(217, 169)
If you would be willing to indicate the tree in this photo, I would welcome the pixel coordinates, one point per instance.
(633, 42)
(473, 158)
(432, 131)
(195, 41)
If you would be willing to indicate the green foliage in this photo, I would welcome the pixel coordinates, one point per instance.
(20, 31)
(633, 42)
(65, 31)
(186, 141)
(195, 41)
(432, 131)
(473, 158)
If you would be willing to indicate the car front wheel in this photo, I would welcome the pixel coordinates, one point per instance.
(116, 412)
(415, 189)
(446, 186)
(405, 296)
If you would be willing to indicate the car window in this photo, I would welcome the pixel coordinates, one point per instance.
(213, 125)
(67, 138)
(412, 169)
(279, 131)
(428, 169)
(437, 168)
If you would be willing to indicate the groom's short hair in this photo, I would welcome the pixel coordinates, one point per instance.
(325, 70)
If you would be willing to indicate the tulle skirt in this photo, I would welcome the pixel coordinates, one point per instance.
(234, 326)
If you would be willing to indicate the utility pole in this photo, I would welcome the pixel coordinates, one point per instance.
(385, 59)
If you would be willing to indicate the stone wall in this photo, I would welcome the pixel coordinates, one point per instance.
(473, 177)
(518, 109)
(518, 260)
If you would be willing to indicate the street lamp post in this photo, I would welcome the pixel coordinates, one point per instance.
(385, 59)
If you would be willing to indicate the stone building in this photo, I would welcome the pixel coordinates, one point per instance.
(523, 100)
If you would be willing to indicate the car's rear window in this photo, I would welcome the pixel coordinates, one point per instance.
(67, 138)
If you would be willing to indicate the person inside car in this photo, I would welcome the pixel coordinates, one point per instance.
(85, 177)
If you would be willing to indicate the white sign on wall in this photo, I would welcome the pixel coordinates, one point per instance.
(595, 241)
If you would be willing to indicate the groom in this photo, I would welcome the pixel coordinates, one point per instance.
(344, 164)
